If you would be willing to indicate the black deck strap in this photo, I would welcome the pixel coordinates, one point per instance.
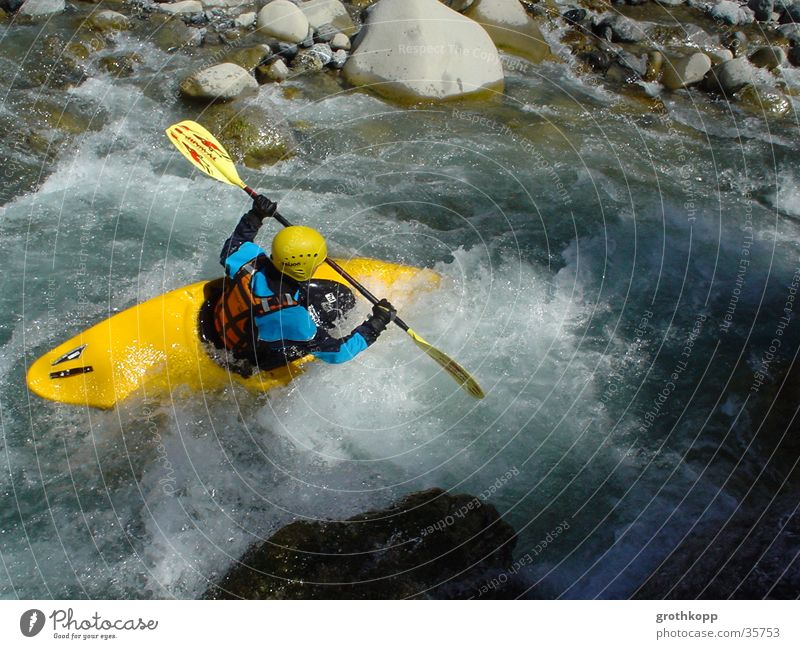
(74, 371)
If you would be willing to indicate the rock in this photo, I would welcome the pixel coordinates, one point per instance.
(254, 134)
(731, 13)
(308, 41)
(330, 12)
(719, 56)
(685, 71)
(182, 7)
(794, 55)
(120, 66)
(339, 59)
(574, 16)
(619, 29)
(219, 82)
(276, 70)
(322, 51)
(224, 4)
(308, 61)
(175, 34)
(768, 57)
(108, 21)
(764, 101)
(789, 10)
(510, 27)
(617, 72)
(325, 33)
(410, 549)
(248, 58)
(736, 43)
(671, 3)
(34, 8)
(762, 9)
(458, 5)
(341, 42)
(655, 62)
(421, 50)
(790, 31)
(286, 50)
(11, 5)
(283, 20)
(747, 555)
(246, 19)
(729, 77)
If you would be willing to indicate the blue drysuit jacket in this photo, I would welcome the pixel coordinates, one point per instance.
(291, 332)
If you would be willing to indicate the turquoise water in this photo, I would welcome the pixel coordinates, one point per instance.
(613, 275)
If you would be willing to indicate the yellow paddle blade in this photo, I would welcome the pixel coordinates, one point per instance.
(204, 151)
(459, 374)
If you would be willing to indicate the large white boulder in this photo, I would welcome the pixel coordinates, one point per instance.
(41, 7)
(220, 82)
(283, 20)
(322, 12)
(421, 49)
(510, 27)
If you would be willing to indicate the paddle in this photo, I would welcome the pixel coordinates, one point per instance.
(204, 151)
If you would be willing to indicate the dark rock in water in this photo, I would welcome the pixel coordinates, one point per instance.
(749, 556)
(794, 55)
(286, 50)
(790, 31)
(430, 544)
(619, 29)
(254, 134)
(574, 16)
(121, 66)
(790, 11)
(620, 73)
(762, 9)
(11, 5)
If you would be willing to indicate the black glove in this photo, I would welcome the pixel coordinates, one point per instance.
(263, 207)
(384, 311)
(382, 314)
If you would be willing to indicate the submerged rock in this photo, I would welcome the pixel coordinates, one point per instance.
(430, 544)
(254, 134)
(249, 58)
(283, 20)
(421, 50)
(510, 27)
(219, 82)
(275, 70)
(763, 101)
(109, 21)
(35, 8)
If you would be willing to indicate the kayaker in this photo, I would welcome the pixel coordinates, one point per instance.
(261, 317)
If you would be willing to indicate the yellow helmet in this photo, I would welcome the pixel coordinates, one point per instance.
(297, 251)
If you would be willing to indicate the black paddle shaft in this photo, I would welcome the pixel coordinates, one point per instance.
(356, 284)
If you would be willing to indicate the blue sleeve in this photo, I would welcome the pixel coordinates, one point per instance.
(243, 254)
(340, 350)
(245, 231)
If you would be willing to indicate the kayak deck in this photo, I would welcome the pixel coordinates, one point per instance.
(155, 347)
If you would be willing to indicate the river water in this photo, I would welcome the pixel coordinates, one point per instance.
(615, 272)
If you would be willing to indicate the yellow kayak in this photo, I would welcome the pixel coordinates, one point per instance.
(156, 346)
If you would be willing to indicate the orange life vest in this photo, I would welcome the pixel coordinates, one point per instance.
(237, 309)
